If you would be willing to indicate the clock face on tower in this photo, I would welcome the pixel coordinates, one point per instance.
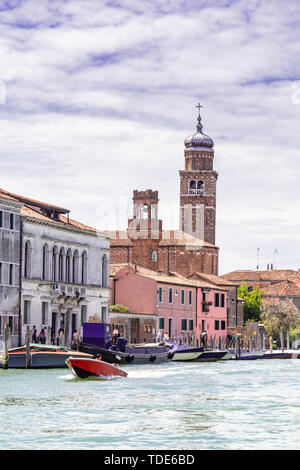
(154, 256)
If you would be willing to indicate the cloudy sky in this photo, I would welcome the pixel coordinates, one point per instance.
(97, 97)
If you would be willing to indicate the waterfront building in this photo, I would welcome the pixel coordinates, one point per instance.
(276, 284)
(172, 303)
(192, 247)
(10, 259)
(235, 309)
(64, 270)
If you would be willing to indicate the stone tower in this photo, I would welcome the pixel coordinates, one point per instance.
(145, 229)
(198, 186)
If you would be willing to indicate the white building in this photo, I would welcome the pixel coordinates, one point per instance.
(10, 254)
(64, 274)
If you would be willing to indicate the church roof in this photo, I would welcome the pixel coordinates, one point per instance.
(169, 238)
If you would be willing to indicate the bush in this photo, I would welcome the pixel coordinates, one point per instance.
(119, 308)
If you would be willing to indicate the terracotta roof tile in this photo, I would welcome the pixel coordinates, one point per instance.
(283, 289)
(161, 277)
(261, 276)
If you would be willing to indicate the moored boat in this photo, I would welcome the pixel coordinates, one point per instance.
(97, 340)
(186, 354)
(85, 367)
(41, 356)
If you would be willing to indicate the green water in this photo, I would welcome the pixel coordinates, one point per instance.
(222, 405)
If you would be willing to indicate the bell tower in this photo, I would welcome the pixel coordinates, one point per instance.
(198, 186)
(145, 229)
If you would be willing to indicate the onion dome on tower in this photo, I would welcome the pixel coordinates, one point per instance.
(199, 140)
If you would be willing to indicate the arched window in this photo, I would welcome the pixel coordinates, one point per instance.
(145, 211)
(84, 268)
(200, 187)
(192, 187)
(55, 264)
(75, 266)
(61, 265)
(104, 271)
(69, 266)
(27, 259)
(45, 268)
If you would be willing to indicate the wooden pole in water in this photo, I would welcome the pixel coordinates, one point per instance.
(6, 346)
(271, 344)
(48, 335)
(282, 341)
(288, 340)
(27, 343)
(238, 347)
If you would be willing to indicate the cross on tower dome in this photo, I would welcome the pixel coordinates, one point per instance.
(199, 140)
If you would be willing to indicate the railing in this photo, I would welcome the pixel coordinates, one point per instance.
(195, 192)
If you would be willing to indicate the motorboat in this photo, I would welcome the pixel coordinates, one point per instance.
(133, 354)
(85, 367)
(185, 353)
(41, 356)
(97, 339)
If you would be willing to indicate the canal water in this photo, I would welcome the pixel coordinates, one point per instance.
(222, 405)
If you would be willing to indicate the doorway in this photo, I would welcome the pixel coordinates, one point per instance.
(74, 322)
(53, 327)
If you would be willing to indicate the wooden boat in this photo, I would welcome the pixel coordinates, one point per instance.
(41, 356)
(84, 367)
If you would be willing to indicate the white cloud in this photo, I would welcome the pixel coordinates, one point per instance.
(100, 96)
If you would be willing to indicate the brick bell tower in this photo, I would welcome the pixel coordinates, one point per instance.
(198, 186)
(145, 229)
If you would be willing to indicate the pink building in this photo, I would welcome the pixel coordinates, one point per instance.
(171, 303)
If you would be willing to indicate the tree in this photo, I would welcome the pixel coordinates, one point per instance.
(281, 317)
(119, 308)
(252, 301)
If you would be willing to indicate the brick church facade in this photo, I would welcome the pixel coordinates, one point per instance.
(191, 248)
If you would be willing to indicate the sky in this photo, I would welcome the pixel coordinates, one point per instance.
(97, 97)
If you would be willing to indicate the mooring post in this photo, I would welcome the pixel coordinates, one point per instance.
(77, 340)
(271, 344)
(282, 341)
(6, 345)
(27, 343)
(288, 340)
(48, 335)
(238, 347)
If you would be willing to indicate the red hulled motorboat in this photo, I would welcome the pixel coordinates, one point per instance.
(85, 367)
